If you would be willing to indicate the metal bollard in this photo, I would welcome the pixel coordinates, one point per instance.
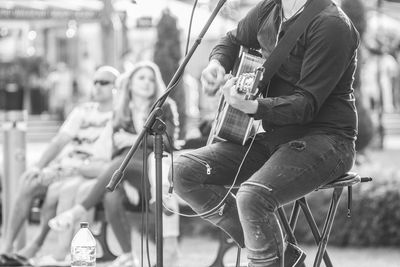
(14, 163)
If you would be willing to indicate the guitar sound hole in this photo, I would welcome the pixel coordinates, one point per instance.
(245, 83)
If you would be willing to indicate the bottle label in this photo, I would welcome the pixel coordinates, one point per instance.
(83, 256)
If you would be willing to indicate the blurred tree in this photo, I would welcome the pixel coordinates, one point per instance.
(356, 11)
(167, 55)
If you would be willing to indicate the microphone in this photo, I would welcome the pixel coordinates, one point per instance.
(115, 179)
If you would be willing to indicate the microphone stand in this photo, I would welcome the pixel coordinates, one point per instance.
(155, 125)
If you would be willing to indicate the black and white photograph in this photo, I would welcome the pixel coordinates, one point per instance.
(200, 133)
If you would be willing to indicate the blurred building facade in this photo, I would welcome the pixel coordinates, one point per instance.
(37, 36)
(83, 34)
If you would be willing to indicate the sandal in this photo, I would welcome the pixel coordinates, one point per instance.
(65, 220)
(6, 260)
(13, 260)
(62, 221)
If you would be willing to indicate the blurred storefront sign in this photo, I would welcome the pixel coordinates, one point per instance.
(49, 10)
(33, 14)
(81, 34)
(58, 21)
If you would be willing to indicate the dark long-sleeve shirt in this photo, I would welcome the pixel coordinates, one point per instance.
(313, 87)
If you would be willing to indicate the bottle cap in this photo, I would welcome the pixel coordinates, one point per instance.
(84, 225)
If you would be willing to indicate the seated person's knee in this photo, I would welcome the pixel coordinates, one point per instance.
(250, 196)
(31, 189)
(186, 172)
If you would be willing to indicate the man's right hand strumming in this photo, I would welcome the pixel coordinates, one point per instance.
(212, 77)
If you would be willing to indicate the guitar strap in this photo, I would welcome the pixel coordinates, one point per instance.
(286, 44)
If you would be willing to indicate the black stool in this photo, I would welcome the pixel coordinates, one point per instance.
(347, 180)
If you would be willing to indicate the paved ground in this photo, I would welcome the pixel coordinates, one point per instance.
(198, 251)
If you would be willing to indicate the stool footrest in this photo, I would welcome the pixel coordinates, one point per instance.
(366, 179)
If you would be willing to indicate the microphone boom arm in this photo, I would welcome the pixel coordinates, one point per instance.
(153, 124)
(118, 174)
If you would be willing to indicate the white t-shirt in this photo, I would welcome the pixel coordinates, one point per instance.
(91, 131)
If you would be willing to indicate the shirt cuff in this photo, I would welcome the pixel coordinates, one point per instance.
(222, 60)
(264, 108)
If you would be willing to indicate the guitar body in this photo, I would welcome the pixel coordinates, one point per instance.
(231, 124)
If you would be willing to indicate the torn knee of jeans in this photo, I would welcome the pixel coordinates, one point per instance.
(297, 145)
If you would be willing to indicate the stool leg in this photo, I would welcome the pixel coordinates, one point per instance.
(314, 228)
(337, 192)
(295, 215)
(289, 232)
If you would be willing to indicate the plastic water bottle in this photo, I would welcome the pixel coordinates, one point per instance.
(83, 247)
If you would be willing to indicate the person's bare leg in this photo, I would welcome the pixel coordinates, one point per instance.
(91, 198)
(48, 211)
(20, 211)
(84, 188)
(67, 199)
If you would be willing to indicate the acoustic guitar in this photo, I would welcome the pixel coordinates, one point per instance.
(231, 124)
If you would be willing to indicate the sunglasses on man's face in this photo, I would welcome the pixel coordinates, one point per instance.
(101, 82)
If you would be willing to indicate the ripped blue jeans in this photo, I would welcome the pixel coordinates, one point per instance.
(271, 176)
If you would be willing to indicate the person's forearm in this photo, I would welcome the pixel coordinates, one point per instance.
(92, 169)
(52, 150)
(225, 52)
(288, 110)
